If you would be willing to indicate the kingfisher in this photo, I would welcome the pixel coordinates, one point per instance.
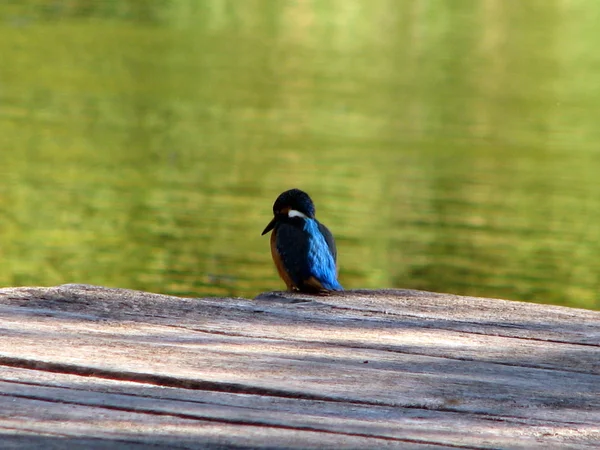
(303, 249)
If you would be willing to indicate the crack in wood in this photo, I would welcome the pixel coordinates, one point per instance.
(113, 440)
(170, 381)
(231, 388)
(480, 415)
(424, 324)
(388, 348)
(247, 423)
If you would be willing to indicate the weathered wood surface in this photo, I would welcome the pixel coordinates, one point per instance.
(90, 367)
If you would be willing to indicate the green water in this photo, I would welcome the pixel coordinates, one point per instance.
(451, 146)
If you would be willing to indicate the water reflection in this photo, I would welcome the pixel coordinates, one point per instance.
(450, 146)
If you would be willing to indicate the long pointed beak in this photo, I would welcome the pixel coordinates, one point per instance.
(270, 226)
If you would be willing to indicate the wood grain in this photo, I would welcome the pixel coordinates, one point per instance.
(91, 367)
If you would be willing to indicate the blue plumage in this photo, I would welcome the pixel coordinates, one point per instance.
(320, 259)
(303, 249)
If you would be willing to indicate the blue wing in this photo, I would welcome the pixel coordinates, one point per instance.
(308, 254)
(328, 239)
(322, 256)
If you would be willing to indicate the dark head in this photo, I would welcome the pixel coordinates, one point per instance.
(292, 203)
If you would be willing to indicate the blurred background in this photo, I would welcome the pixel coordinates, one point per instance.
(451, 146)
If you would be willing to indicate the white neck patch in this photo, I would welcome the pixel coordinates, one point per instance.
(295, 213)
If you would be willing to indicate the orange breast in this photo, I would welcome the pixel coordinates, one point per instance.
(279, 263)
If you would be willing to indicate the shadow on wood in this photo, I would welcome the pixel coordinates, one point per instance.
(92, 367)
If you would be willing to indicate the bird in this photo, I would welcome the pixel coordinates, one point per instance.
(303, 249)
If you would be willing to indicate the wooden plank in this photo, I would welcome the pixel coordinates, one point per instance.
(402, 369)
(414, 427)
